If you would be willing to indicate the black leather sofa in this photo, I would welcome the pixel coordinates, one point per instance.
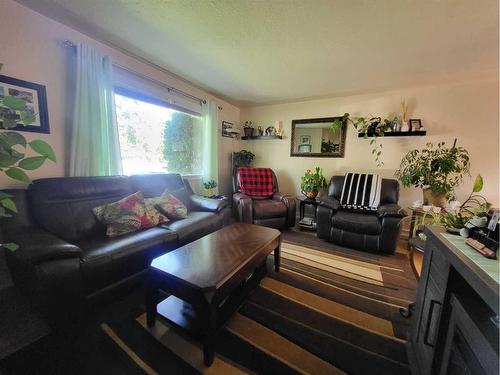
(64, 256)
(374, 231)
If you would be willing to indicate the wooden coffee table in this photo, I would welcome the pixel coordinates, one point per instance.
(208, 279)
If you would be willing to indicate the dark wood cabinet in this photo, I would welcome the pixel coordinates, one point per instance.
(453, 327)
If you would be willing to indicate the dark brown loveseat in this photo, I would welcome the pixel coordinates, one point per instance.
(65, 257)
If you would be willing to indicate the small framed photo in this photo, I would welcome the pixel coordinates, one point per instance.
(227, 128)
(305, 139)
(35, 98)
(415, 124)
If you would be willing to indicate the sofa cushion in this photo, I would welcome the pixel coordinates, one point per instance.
(268, 209)
(196, 225)
(357, 222)
(63, 206)
(108, 259)
(171, 207)
(125, 216)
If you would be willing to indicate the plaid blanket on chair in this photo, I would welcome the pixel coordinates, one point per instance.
(256, 182)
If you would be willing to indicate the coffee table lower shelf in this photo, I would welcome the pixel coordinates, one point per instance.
(195, 322)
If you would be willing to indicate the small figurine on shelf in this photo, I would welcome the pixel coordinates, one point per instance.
(404, 116)
(260, 131)
(270, 131)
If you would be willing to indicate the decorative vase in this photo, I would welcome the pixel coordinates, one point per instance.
(310, 194)
(435, 199)
(405, 127)
(248, 132)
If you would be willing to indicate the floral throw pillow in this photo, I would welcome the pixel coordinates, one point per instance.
(154, 214)
(127, 215)
(171, 207)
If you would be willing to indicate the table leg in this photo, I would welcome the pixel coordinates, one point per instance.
(209, 342)
(412, 228)
(277, 258)
(151, 300)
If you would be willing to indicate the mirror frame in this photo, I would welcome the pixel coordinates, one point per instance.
(339, 154)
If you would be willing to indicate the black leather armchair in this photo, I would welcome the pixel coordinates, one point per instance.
(277, 211)
(372, 231)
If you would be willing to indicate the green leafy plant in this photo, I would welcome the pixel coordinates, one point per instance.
(312, 181)
(13, 146)
(371, 127)
(211, 184)
(439, 169)
(243, 158)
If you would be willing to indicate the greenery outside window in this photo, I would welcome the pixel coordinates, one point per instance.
(155, 138)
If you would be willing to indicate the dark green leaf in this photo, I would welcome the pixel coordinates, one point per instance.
(8, 160)
(14, 103)
(13, 138)
(43, 148)
(4, 195)
(17, 174)
(11, 246)
(32, 163)
(8, 204)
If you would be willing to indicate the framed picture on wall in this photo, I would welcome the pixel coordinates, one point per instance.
(305, 139)
(34, 112)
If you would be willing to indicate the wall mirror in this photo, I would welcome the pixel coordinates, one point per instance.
(314, 138)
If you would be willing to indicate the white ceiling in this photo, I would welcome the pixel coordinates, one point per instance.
(254, 51)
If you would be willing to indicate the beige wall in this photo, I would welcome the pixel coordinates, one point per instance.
(31, 49)
(466, 111)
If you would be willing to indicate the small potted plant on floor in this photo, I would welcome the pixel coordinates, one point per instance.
(312, 182)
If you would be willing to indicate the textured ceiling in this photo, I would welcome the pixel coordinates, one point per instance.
(265, 51)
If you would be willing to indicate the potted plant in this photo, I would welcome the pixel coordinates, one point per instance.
(209, 188)
(13, 161)
(242, 158)
(248, 129)
(437, 170)
(370, 127)
(311, 182)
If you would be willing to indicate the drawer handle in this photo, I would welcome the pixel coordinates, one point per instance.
(430, 320)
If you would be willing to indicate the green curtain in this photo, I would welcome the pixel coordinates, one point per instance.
(94, 144)
(210, 139)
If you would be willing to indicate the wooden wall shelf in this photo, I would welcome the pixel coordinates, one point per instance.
(399, 134)
(255, 137)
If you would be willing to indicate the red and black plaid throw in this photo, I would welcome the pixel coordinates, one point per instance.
(256, 182)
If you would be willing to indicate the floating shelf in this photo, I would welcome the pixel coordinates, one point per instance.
(261, 137)
(399, 134)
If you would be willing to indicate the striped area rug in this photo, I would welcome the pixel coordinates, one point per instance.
(329, 311)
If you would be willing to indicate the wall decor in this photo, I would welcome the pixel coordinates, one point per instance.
(27, 105)
(415, 124)
(316, 138)
(228, 130)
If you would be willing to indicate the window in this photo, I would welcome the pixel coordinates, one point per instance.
(154, 138)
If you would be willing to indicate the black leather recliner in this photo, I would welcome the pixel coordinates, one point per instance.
(277, 211)
(64, 257)
(372, 231)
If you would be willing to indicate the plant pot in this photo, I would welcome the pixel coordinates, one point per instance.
(310, 194)
(436, 199)
(248, 132)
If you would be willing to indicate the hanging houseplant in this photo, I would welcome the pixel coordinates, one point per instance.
(13, 161)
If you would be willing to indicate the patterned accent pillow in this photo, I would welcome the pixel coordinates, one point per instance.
(125, 216)
(171, 207)
(154, 214)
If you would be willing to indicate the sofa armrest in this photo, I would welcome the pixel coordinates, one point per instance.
(200, 203)
(244, 207)
(289, 202)
(391, 210)
(37, 246)
(329, 202)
